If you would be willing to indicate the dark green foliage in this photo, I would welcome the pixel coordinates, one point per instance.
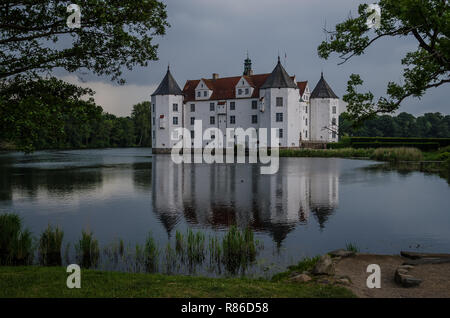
(429, 125)
(142, 125)
(114, 35)
(88, 252)
(352, 247)
(16, 246)
(424, 21)
(50, 247)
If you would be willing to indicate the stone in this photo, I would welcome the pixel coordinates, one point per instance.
(343, 281)
(302, 278)
(341, 253)
(406, 280)
(428, 260)
(406, 267)
(324, 266)
(416, 255)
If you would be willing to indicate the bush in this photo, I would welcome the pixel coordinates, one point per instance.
(425, 146)
(16, 246)
(443, 142)
(397, 154)
(88, 252)
(50, 247)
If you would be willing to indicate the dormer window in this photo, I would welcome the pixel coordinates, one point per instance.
(246, 91)
(205, 93)
(199, 94)
(239, 91)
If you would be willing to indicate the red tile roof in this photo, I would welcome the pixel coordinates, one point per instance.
(224, 88)
(302, 87)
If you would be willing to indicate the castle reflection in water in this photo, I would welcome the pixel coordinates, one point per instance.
(220, 195)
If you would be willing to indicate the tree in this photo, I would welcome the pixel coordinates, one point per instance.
(34, 114)
(141, 119)
(427, 21)
(35, 38)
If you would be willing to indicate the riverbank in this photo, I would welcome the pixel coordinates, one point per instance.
(36, 281)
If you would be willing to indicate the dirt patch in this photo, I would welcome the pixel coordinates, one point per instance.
(435, 277)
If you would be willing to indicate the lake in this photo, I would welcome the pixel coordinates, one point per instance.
(311, 206)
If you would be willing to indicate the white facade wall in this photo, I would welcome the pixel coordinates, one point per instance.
(321, 115)
(162, 105)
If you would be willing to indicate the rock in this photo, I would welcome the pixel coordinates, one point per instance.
(343, 281)
(429, 260)
(302, 278)
(415, 255)
(341, 253)
(402, 278)
(406, 267)
(324, 266)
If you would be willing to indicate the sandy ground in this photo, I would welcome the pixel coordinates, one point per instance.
(435, 277)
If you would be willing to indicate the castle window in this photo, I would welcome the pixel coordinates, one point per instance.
(334, 135)
(212, 120)
(211, 107)
(306, 134)
(154, 135)
(192, 134)
(232, 105)
(246, 91)
(333, 122)
(153, 121)
(279, 117)
(232, 120)
(175, 120)
(306, 109)
(254, 119)
(254, 104)
(306, 121)
(280, 133)
(279, 101)
(199, 94)
(239, 91)
(205, 93)
(153, 107)
(334, 109)
(192, 120)
(175, 107)
(192, 107)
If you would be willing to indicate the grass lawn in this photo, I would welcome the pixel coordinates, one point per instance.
(35, 281)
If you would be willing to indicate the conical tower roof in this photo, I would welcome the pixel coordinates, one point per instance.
(279, 78)
(323, 90)
(168, 86)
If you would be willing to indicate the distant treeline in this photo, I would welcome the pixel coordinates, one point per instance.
(52, 114)
(429, 125)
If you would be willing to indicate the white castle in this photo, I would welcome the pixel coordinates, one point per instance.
(271, 100)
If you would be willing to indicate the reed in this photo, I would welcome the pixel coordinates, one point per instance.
(16, 244)
(239, 249)
(49, 249)
(151, 255)
(195, 248)
(88, 253)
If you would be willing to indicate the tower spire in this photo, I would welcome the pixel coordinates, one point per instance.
(248, 66)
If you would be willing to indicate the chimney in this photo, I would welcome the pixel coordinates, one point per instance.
(215, 76)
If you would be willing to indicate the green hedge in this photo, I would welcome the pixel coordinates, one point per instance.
(441, 141)
(424, 146)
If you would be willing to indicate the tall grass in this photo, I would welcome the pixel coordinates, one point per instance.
(50, 247)
(88, 252)
(16, 245)
(397, 154)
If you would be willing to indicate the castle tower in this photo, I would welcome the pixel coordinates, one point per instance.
(324, 114)
(167, 113)
(248, 66)
(282, 106)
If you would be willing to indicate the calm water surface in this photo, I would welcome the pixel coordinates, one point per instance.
(311, 206)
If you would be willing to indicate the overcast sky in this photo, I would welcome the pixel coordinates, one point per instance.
(212, 36)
